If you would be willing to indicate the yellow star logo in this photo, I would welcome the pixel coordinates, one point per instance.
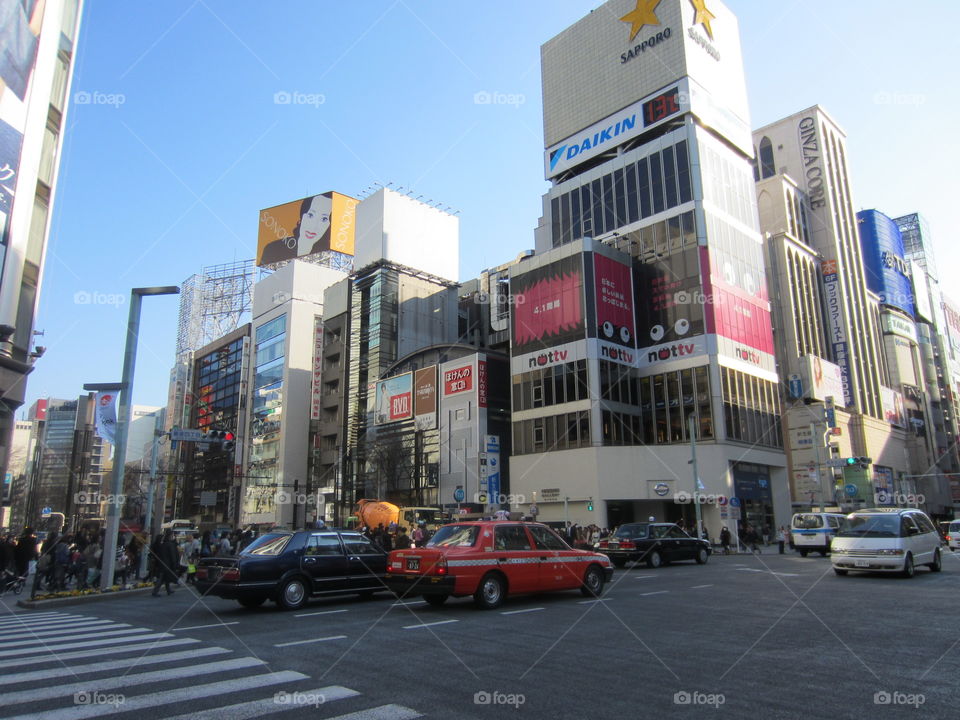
(703, 16)
(641, 15)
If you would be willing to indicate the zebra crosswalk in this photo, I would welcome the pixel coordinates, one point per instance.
(63, 666)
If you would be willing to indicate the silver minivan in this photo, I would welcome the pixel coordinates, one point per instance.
(886, 540)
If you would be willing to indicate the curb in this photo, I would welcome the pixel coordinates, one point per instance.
(80, 599)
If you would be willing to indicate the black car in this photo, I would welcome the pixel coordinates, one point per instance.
(656, 543)
(291, 567)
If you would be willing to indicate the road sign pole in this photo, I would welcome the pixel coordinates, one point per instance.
(816, 450)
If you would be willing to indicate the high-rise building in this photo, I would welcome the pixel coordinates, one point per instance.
(39, 47)
(643, 323)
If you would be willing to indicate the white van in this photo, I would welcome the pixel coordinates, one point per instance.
(886, 540)
(814, 531)
(953, 534)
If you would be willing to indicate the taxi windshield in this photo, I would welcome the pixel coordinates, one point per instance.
(455, 536)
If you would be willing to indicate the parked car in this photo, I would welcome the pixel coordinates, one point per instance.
(655, 543)
(886, 540)
(291, 567)
(492, 559)
(950, 530)
(814, 531)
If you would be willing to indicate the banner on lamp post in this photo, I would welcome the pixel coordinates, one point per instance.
(106, 415)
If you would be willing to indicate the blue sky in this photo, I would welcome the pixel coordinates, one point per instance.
(181, 142)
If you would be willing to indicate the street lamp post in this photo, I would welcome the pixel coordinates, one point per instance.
(123, 420)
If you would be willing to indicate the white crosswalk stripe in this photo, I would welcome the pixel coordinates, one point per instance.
(50, 678)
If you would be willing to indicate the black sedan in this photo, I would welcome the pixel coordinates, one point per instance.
(656, 543)
(291, 567)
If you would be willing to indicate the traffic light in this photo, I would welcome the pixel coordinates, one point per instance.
(590, 505)
(861, 462)
(220, 440)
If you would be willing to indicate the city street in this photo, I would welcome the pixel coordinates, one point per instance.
(768, 636)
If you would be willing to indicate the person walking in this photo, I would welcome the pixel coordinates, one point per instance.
(767, 532)
(226, 548)
(403, 540)
(168, 563)
(26, 551)
(781, 538)
(725, 540)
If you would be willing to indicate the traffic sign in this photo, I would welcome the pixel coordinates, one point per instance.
(850, 489)
(459, 495)
(796, 386)
(46, 511)
(185, 435)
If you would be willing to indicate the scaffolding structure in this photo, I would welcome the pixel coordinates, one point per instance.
(214, 302)
(327, 258)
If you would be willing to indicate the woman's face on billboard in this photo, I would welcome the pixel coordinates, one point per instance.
(316, 220)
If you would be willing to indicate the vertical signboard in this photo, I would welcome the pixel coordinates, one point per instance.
(837, 333)
(458, 380)
(425, 398)
(616, 329)
(481, 383)
(394, 399)
(492, 449)
(316, 384)
(20, 24)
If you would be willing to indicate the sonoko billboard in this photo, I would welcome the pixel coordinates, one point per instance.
(306, 227)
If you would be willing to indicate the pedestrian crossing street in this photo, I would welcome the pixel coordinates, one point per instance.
(62, 666)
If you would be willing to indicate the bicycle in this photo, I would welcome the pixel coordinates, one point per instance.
(13, 582)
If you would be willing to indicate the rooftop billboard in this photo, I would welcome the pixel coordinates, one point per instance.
(306, 227)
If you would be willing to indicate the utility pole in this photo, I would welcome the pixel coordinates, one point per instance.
(692, 422)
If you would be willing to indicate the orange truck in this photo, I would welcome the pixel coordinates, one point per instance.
(376, 512)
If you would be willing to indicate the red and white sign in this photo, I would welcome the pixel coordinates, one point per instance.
(614, 296)
(481, 383)
(315, 386)
(458, 380)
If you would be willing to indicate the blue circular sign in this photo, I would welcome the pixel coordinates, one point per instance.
(734, 502)
(850, 489)
(459, 495)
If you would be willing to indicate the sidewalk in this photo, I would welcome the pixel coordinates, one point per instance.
(25, 601)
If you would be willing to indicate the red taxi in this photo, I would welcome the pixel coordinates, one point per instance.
(491, 559)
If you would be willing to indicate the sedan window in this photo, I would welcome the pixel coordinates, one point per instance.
(324, 545)
(269, 544)
(631, 531)
(510, 537)
(546, 540)
(359, 545)
(676, 532)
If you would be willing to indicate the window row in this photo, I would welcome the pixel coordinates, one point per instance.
(557, 432)
(751, 409)
(626, 195)
(669, 400)
(551, 386)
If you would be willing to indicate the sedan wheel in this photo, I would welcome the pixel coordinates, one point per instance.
(592, 582)
(490, 593)
(293, 595)
(654, 559)
(937, 564)
(908, 568)
(702, 556)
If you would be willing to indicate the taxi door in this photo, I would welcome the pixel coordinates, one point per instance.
(556, 572)
(323, 560)
(516, 558)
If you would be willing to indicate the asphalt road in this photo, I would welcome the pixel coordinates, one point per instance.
(760, 637)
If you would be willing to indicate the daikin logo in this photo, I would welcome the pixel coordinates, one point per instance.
(568, 152)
